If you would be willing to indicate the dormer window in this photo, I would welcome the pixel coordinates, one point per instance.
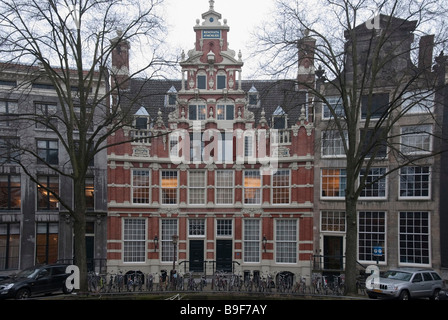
(253, 97)
(279, 118)
(171, 97)
(141, 119)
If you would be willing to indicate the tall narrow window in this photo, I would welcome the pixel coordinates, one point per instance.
(251, 247)
(10, 194)
(169, 228)
(224, 187)
(9, 150)
(371, 233)
(202, 82)
(169, 185)
(415, 237)
(47, 235)
(252, 187)
(196, 187)
(281, 187)
(9, 246)
(221, 81)
(46, 190)
(134, 240)
(141, 186)
(286, 241)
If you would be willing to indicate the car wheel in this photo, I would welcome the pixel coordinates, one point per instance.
(435, 295)
(404, 295)
(23, 294)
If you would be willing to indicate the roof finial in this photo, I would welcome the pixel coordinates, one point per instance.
(212, 4)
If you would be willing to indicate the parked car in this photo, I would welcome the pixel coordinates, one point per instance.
(35, 280)
(406, 283)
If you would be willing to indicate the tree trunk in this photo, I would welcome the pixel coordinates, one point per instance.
(351, 271)
(80, 233)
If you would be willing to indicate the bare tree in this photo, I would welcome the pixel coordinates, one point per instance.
(68, 45)
(368, 59)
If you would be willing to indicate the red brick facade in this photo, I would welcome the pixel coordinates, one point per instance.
(233, 215)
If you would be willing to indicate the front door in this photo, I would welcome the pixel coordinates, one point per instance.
(197, 255)
(224, 255)
(333, 257)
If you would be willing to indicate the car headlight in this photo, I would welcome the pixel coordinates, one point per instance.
(8, 286)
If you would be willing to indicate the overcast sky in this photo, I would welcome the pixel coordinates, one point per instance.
(242, 17)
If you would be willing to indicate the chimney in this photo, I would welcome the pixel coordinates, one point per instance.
(426, 52)
(120, 61)
(307, 47)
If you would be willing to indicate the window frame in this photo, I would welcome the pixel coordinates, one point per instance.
(251, 247)
(288, 187)
(203, 188)
(144, 188)
(176, 188)
(138, 250)
(280, 257)
(341, 190)
(413, 190)
(257, 190)
(229, 188)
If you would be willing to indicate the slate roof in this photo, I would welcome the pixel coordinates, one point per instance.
(151, 94)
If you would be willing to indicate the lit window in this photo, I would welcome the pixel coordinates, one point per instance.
(225, 112)
(252, 187)
(333, 183)
(169, 185)
(47, 187)
(197, 112)
(10, 194)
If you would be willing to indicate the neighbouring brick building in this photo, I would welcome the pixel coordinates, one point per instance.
(224, 165)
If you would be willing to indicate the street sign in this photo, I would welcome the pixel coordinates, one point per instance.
(377, 251)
